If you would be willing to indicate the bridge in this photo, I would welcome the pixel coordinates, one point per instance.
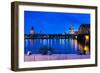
(51, 36)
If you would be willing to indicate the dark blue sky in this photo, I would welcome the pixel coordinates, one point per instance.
(53, 22)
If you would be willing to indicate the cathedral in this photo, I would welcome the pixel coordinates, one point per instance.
(32, 31)
(71, 29)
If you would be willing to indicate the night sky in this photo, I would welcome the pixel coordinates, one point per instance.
(53, 22)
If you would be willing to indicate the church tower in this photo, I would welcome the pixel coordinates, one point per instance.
(71, 29)
(32, 31)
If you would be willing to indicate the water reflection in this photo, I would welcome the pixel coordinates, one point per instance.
(75, 43)
(63, 46)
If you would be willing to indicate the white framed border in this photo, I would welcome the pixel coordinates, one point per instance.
(23, 64)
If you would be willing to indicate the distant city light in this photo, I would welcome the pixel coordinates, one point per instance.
(75, 37)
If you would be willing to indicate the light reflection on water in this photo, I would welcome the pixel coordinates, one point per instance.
(65, 46)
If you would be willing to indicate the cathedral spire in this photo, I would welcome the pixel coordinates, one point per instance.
(32, 30)
(71, 29)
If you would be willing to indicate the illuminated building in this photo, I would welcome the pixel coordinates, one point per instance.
(32, 31)
(71, 30)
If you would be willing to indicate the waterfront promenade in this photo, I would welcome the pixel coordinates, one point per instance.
(39, 57)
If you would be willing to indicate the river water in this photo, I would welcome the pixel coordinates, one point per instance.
(59, 46)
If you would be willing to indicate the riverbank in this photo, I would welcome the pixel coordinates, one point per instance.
(39, 57)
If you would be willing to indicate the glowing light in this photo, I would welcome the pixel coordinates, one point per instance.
(76, 44)
(44, 41)
(86, 48)
(75, 37)
(86, 37)
(63, 41)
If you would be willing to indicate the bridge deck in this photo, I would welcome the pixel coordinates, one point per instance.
(52, 36)
(49, 36)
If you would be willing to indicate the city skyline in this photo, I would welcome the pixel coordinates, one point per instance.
(53, 22)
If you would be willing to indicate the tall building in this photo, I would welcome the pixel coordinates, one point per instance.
(32, 31)
(71, 29)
